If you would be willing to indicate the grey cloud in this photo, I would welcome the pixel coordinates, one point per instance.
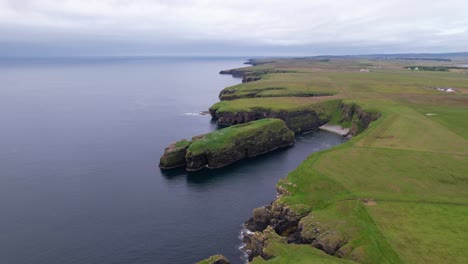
(143, 27)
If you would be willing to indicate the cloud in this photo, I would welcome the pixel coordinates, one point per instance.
(348, 25)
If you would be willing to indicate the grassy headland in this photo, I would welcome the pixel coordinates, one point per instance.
(228, 145)
(396, 193)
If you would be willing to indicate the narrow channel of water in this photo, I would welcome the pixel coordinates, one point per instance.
(80, 142)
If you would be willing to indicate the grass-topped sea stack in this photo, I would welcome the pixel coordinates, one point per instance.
(228, 145)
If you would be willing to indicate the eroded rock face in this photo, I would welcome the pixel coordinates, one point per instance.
(297, 121)
(279, 217)
(255, 243)
(174, 155)
(234, 73)
(278, 221)
(195, 162)
(359, 118)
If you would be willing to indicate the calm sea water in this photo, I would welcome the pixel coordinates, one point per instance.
(80, 142)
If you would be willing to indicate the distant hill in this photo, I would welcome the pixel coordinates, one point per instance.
(404, 56)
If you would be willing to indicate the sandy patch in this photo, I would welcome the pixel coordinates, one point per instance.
(335, 129)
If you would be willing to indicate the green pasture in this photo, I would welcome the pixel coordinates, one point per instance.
(398, 192)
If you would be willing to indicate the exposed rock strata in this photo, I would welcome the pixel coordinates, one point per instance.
(228, 145)
(297, 121)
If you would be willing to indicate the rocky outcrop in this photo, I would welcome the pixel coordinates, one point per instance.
(275, 219)
(216, 259)
(248, 75)
(256, 242)
(358, 118)
(291, 227)
(174, 155)
(228, 145)
(297, 121)
(245, 75)
(235, 73)
(278, 216)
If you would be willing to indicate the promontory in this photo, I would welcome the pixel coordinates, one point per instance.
(228, 145)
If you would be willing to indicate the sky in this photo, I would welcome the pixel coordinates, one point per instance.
(231, 28)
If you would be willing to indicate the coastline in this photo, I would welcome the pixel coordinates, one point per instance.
(322, 212)
(349, 112)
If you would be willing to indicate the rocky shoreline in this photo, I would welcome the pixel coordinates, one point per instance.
(277, 222)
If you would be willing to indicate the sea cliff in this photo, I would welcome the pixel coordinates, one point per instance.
(302, 118)
(228, 145)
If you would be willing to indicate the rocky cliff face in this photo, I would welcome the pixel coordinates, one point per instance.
(279, 217)
(255, 243)
(174, 155)
(300, 120)
(245, 75)
(359, 118)
(275, 218)
(297, 121)
(228, 145)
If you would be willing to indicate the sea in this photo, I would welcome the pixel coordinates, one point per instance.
(80, 142)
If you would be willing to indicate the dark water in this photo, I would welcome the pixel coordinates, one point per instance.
(79, 145)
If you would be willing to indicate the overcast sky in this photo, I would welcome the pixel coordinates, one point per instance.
(223, 27)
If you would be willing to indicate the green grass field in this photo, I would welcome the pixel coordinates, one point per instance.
(272, 103)
(396, 193)
(227, 137)
(283, 85)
